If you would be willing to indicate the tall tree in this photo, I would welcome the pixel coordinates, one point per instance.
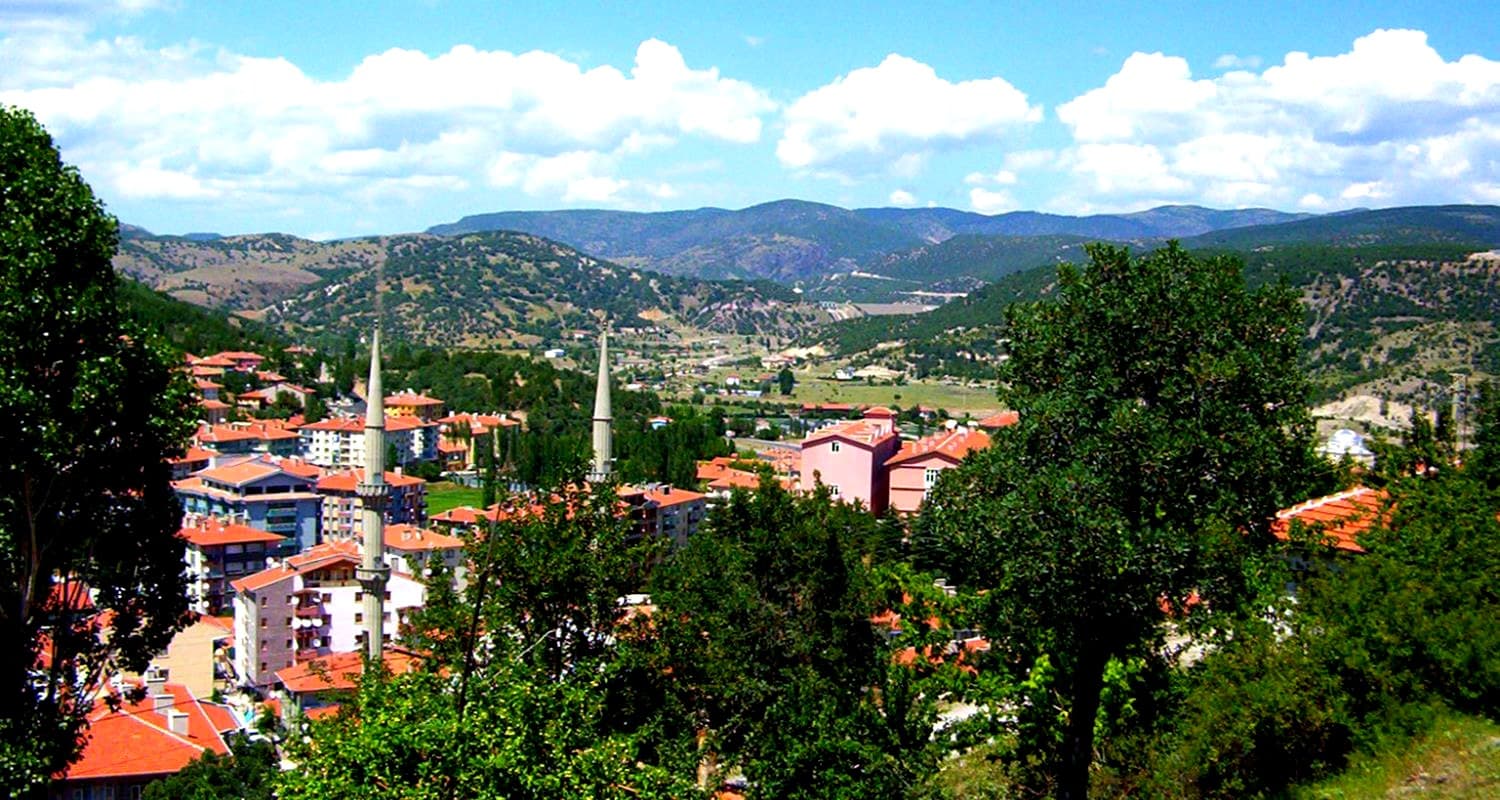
(89, 412)
(1162, 422)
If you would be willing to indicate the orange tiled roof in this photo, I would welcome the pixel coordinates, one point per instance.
(240, 355)
(664, 496)
(952, 445)
(313, 558)
(341, 670)
(858, 431)
(1000, 420)
(410, 537)
(1339, 518)
(213, 361)
(193, 454)
(403, 399)
(211, 532)
(353, 425)
(136, 740)
(346, 481)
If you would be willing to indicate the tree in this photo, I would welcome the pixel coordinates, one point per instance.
(89, 412)
(786, 380)
(1162, 422)
(245, 774)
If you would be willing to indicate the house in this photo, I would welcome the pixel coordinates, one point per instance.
(995, 422)
(406, 503)
(553, 352)
(913, 471)
(263, 492)
(662, 510)
(255, 436)
(207, 389)
(220, 551)
(1338, 519)
(213, 411)
(197, 655)
(849, 458)
(129, 744)
(310, 605)
(267, 395)
(238, 360)
(316, 686)
(463, 435)
(411, 404)
(408, 548)
(194, 459)
(1347, 444)
(340, 442)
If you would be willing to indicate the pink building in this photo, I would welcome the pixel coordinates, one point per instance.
(849, 458)
(913, 471)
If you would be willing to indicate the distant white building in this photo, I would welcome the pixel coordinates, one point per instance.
(555, 352)
(1345, 443)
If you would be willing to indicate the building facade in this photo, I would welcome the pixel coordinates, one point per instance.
(259, 492)
(849, 458)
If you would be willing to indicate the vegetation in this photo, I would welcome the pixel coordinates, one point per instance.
(1162, 420)
(91, 410)
(245, 774)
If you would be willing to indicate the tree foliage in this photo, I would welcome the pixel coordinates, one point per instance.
(89, 411)
(1162, 423)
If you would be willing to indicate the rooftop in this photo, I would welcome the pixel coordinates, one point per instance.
(1339, 518)
(953, 445)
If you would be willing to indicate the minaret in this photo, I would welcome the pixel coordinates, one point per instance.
(603, 439)
(373, 492)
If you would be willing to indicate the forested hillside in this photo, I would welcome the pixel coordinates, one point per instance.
(491, 289)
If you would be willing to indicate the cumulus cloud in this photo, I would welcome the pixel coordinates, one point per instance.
(1388, 122)
(891, 117)
(901, 197)
(1232, 61)
(991, 201)
(195, 122)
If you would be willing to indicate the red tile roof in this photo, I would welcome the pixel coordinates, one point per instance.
(951, 445)
(1339, 518)
(411, 538)
(880, 412)
(316, 557)
(411, 399)
(137, 740)
(662, 495)
(1000, 420)
(341, 670)
(194, 455)
(346, 481)
(354, 425)
(211, 532)
(857, 431)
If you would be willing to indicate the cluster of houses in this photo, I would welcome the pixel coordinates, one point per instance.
(271, 540)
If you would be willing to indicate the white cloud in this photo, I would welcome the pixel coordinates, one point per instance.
(901, 197)
(191, 122)
(1390, 121)
(890, 117)
(1232, 61)
(988, 201)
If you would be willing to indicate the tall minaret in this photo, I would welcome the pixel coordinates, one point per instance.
(373, 492)
(603, 439)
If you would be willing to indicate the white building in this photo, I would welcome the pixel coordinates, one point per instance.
(340, 443)
(308, 606)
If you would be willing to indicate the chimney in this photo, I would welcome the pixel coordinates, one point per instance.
(178, 722)
(156, 682)
(161, 702)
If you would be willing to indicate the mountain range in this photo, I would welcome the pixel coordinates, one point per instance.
(795, 240)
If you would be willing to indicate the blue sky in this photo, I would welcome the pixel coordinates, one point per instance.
(336, 119)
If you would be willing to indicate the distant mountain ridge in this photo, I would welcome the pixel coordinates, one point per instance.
(795, 240)
(477, 290)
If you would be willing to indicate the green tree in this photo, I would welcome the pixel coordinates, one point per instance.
(1162, 423)
(246, 773)
(89, 411)
(785, 380)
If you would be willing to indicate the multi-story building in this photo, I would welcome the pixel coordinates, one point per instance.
(219, 552)
(411, 404)
(463, 436)
(407, 502)
(254, 436)
(262, 492)
(308, 606)
(340, 443)
(913, 471)
(661, 510)
(849, 458)
(408, 548)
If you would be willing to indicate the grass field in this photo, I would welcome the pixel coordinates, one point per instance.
(1458, 758)
(924, 393)
(443, 495)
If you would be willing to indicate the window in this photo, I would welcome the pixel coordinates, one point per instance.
(833, 489)
(265, 623)
(358, 596)
(288, 622)
(288, 599)
(288, 643)
(929, 477)
(263, 601)
(262, 666)
(833, 448)
(359, 617)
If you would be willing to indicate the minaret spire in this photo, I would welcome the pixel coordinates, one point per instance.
(603, 418)
(373, 493)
